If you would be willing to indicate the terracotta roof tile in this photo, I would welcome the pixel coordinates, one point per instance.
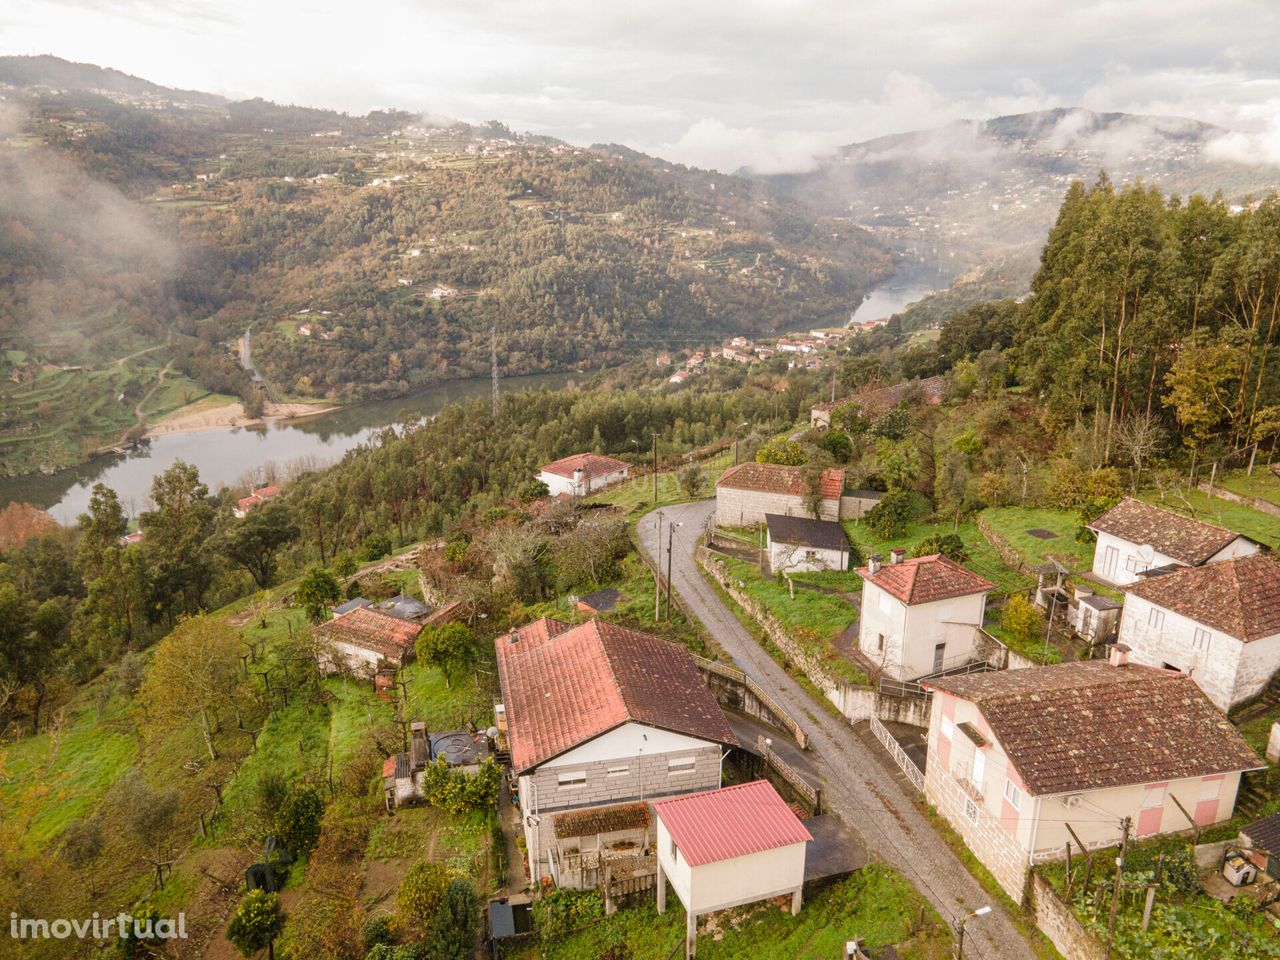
(1186, 540)
(592, 465)
(926, 579)
(1239, 597)
(385, 635)
(730, 822)
(1089, 725)
(563, 687)
(583, 823)
(775, 478)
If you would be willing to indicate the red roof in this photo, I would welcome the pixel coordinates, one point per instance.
(389, 767)
(266, 493)
(926, 579)
(1240, 597)
(592, 465)
(1188, 541)
(731, 822)
(248, 503)
(775, 478)
(563, 686)
(385, 635)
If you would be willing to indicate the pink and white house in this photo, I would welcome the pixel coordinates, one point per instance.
(582, 474)
(1018, 756)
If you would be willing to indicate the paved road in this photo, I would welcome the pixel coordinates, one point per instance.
(855, 786)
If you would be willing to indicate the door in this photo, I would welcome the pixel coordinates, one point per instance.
(1110, 558)
(939, 655)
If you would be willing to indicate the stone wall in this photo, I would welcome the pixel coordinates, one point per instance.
(734, 689)
(1257, 503)
(1007, 554)
(746, 508)
(1059, 924)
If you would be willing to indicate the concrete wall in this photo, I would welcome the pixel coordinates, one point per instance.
(791, 558)
(745, 508)
(1059, 924)
(1227, 670)
(855, 508)
(557, 484)
(361, 662)
(1119, 561)
(912, 632)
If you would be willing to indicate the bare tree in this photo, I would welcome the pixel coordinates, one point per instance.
(1141, 438)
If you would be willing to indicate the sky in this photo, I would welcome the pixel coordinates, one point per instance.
(770, 84)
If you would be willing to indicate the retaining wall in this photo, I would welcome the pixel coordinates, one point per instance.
(1059, 924)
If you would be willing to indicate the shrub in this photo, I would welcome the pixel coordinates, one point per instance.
(563, 911)
(837, 443)
(377, 931)
(1022, 619)
(947, 544)
(317, 592)
(421, 893)
(451, 934)
(889, 518)
(298, 824)
(783, 451)
(456, 790)
(256, 923)
(375, 547)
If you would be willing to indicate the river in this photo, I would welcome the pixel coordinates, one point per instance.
(223, 456)
(913, 281)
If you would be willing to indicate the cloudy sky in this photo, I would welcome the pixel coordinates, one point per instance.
(720, 83)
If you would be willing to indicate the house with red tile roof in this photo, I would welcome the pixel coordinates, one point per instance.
(920, 616)
(747, 492)
(256, 497)
(1219, 622)
(877, 401)
(582, 474)
(1136, 537)
(362, 639)
(598, 715)
(1017, 756)
(728, 847)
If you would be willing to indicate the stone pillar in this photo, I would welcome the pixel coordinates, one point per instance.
(690, 935)
(662, 889)
(797, 897)
(1273, 744)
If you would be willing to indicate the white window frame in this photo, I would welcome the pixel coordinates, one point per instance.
(681, 765)
(572, 780)
(978, 773)
(1155, 618)
(970, 810)
(948, 727)
(886, 603)
(1013, 793)
(617, 771)
(1210, 790)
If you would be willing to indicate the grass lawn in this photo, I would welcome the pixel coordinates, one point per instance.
(983, 558)
(1263, 483)
(812, 616)
(1234, 516)
(1012, 523)
(636, 496)
(876, 906)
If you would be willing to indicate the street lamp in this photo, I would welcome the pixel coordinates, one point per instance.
(980, 912)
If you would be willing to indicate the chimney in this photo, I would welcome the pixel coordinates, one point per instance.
(897, 554)
(1120, 655)
(577, 477)
(514, 637)
(873, 565)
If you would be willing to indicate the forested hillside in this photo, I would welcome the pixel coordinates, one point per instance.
(145, 229)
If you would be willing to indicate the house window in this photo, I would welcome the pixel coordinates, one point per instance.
(1201, 639)
(681, 765)
(879, 643)
(674, 852)
(971, 810)
(576, 779)
(1013, 794)
(948, 727)
(1154, 797)
(886, 605)
(617, 771)
(1209, 789)
(1155, 618)
(979, 768)
(1132, 564)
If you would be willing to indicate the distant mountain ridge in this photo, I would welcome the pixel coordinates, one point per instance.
(46, 70)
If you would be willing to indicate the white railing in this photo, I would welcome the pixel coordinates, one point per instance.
(914, 773)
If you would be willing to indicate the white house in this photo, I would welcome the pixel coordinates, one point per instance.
(724, 848)
(582, 474)
(1015, 757)
(799, 544)
(599, 716)
(1134, 537)
(1220, 623)
(920, 616)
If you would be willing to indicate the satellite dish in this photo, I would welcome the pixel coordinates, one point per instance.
(491, 733)
(1146, 553)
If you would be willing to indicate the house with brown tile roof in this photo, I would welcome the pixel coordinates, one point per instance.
(747, 492)
(1134, 537)
(1015, 756)
(582, 474)
(597, 715)
(877, 401)
(1219, 622)
(920, 616)
(362, 639)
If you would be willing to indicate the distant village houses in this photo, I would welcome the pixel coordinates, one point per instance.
(256, 498)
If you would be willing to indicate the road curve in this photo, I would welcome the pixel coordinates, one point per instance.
(855, 786)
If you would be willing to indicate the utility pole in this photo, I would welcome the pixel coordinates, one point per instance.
(493, 360)
(655, 472)
(671, 530)
(657, 575)
(1115, 890)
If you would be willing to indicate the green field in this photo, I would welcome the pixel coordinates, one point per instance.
(1234, 516)
(636, 496)
(1012, 523)
(1261, 483)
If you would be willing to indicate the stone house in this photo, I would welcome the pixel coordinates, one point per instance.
(597, 715)
(1015, 757)
(1136, 537)
(1220, 623)
(920, 616)
(747, 492)
(799, 544)
(877, 401)
(582, 474)
(362, 639)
